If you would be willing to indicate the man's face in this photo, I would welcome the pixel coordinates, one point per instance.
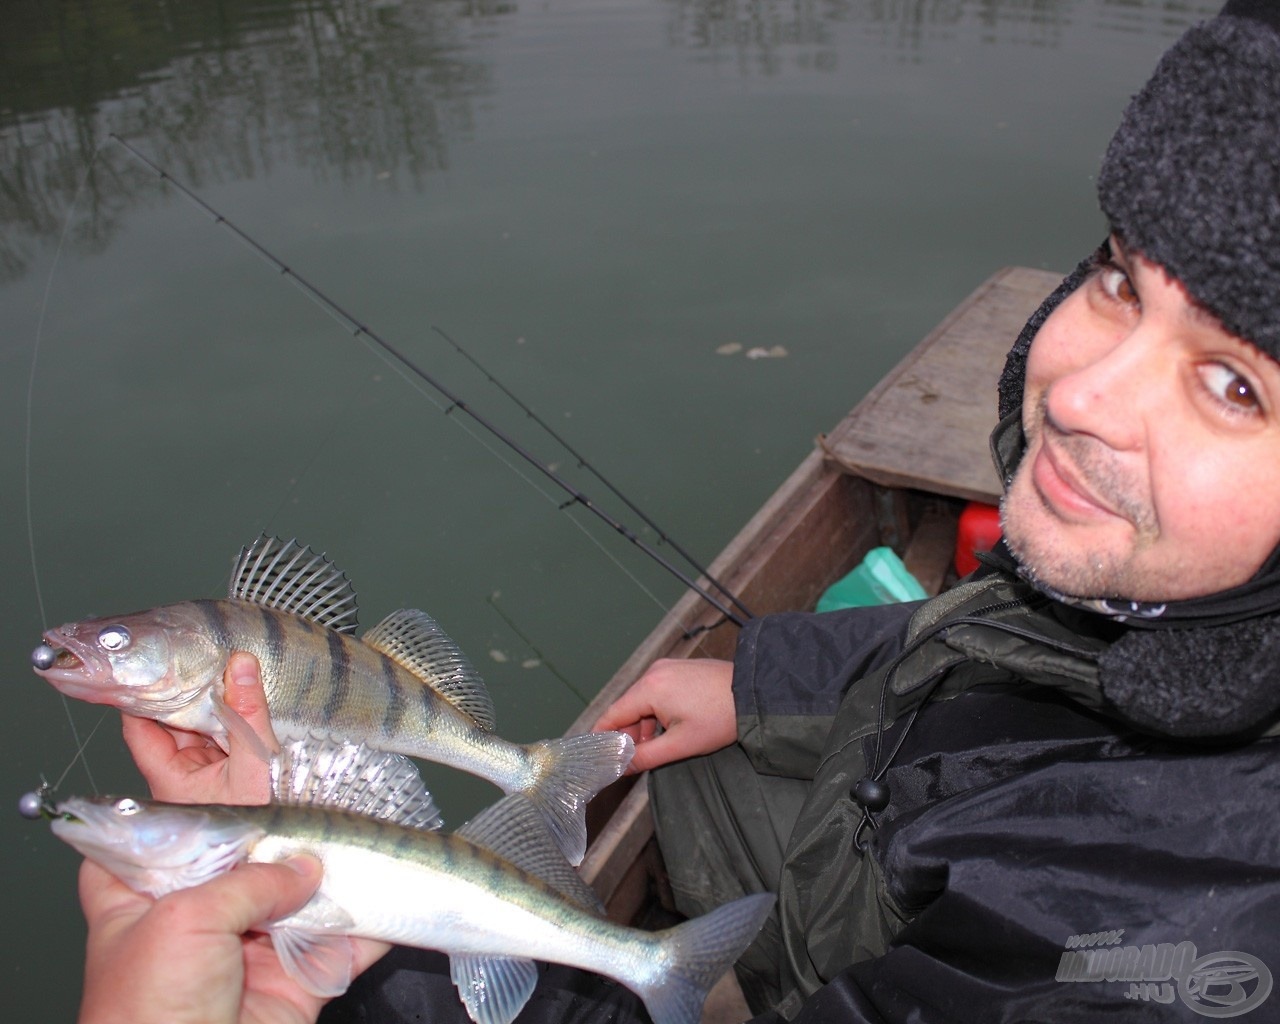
(1152, 469)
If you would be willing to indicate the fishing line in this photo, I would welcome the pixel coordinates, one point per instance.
(31, 387)
(515, 468)
(663, 537)
(542, 658)
(453, 401)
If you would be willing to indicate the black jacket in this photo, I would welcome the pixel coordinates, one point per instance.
(1038, 860)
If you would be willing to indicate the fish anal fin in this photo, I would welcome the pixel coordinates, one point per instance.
(321, 771)
(291, 577)
(493, 989)
(415, 641)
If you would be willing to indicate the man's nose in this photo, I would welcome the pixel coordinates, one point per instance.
(1112, 396)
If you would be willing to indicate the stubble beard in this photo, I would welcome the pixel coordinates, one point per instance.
(1079, 569)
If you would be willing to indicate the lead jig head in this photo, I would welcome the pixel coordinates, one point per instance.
(36, 805)
(43, 657)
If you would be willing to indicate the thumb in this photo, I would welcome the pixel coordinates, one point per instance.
(251, 740)
(253, 894)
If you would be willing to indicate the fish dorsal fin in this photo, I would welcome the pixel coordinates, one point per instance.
(493, 988)
(415, 640)
(286, 575)
(515, 830)
(322, 772)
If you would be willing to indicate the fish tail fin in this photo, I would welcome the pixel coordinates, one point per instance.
(571, 770)
(699, 953)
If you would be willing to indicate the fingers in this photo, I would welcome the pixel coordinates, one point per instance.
(691, 700)
(660, 750)
(103, 895)
(251, 894)
(627, 712)
(254, 740)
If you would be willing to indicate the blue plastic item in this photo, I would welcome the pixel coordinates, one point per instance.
(880, 578)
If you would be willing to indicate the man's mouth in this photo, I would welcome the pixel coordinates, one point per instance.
(1062, 486)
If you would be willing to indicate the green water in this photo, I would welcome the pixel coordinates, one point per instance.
(596, 198)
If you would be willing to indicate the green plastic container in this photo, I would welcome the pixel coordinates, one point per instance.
(880, 578)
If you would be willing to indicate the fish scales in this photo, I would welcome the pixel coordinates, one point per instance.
(322, 680)
(405, 688)
(492, 915)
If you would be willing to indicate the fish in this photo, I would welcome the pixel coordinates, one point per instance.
(495, 896)
(404, 687)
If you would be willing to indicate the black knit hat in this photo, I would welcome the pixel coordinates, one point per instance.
(1191, 180)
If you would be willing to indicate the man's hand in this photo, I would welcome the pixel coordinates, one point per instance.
(186, 768)
(184, 959)
(692, 701)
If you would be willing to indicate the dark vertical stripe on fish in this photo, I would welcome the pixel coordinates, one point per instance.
(396, 706)
(216, 618)
(339, 675)
(308, 684)
(274, 646)
(430, 706)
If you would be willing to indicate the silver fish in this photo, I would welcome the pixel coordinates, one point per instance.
(495, 896)
(403, 687)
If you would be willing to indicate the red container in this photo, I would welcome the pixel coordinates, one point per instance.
(979, 530)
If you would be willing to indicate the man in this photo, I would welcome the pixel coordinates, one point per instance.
(1048, 794)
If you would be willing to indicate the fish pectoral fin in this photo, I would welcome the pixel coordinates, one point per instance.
(493, 988)
(415, 642)
(241, 731)
(320, 962)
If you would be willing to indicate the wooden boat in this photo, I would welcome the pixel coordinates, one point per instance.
(896, 471)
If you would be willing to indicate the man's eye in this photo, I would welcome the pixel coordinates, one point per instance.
(1117, 285)
(1229, 387)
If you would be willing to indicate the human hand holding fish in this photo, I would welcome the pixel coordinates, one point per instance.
(679, 707)
(185, 958)
(495, 895)
(186, 767)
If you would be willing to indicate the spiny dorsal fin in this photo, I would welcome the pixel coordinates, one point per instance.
(415, 640)
(319, 771)
(284, 574)
(515, 830)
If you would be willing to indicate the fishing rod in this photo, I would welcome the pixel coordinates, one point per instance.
(583, 464)
(453, 401)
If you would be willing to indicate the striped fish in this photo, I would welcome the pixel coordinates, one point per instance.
(402, 687)
(496, 896)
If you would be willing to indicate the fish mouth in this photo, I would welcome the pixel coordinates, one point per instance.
(90, 826)
(77, 669)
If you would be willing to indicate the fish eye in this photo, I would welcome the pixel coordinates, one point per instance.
(128, 805)
(114, 638)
